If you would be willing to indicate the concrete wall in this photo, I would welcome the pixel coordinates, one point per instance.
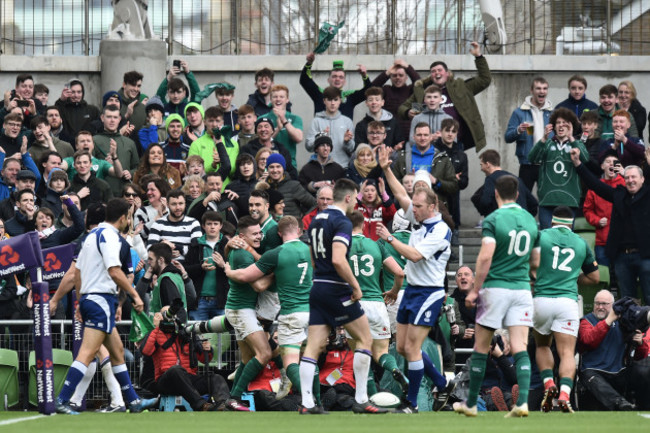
(512, 76)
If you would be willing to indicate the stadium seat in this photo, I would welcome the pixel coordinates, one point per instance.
(590, 238)
(580, 225)
(588, 291)
(61, 360)
(168, 403)
(9, 388)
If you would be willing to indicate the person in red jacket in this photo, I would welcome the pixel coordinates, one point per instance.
(598, 211)
(176, 375)
(324, 198)
(375, 205)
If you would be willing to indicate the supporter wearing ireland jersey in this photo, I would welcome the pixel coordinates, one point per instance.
(559, 184)
(291, 265)
(501, 292)
(240, 310)
(367, 258)
(561, 256)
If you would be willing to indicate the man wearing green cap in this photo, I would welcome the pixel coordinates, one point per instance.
(174, 148)
(350, 98)
(194, 128)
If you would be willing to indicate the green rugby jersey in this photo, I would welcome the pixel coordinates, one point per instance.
(389, 279)
(559, 183)
(291, 263)
(515, 232)
(562, 255)
(240, 295)
(366, 259)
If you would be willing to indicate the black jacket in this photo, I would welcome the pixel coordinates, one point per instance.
(19, 225)
(458, 160)
(193, 262)
(77, 116)
(100, 191)
(485, 202)
(68, 234)
(627, 211)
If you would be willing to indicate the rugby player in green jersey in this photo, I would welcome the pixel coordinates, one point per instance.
(367, 259)
(501, 292)
(290, 263)
(562, 255)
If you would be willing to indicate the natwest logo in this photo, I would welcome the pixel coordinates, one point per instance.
(8, 256)
(52, 263)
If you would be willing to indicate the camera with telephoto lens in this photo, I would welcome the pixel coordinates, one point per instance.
(216, 325)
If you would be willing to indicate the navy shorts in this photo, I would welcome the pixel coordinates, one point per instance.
(329, 304)
(420, 305)
(98, 311)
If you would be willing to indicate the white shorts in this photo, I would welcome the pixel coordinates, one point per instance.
(556, 315)
(392, 312)
(244, 322)
(268, 305)
(378, 320)
(292, 328)
(501, 308)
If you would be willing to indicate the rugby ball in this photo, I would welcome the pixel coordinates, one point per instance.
(385, 400)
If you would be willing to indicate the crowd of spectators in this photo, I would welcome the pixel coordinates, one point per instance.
(190, 171)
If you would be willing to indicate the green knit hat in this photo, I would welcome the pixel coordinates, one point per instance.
(195, 105)
(172, 117)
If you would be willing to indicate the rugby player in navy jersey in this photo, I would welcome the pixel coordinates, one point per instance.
(334, 301)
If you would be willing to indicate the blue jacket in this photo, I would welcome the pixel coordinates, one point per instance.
(524, 141)
(577, 106)
(28, 163)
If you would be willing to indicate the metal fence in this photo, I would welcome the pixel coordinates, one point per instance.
(17, 335)
(399, 27)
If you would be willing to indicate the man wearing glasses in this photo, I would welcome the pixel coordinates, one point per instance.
(601, 342)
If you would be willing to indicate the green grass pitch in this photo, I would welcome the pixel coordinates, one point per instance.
(285, 422)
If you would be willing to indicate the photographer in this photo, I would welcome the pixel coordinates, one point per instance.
(175, 364)
(602, 344)
(171, 281)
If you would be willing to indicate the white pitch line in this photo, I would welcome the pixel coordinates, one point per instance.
(644, 415)
(16, 420)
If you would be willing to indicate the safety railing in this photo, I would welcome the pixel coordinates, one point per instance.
(17, 335)
(396, 27)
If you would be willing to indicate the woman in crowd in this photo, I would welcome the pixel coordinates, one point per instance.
(627, 100)
(154, 161)
(193, 187)
(47, 231)
(157, 190)
(260, 163)
(363, 166)
(375, 205)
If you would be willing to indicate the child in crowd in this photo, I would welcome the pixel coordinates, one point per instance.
(246, 119)
(376, 113)
(432, 114)
(334, 124)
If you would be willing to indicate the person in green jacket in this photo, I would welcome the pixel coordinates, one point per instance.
(461, 93)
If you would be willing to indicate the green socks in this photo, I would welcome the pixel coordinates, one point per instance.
(476, 375)
(293, 372)
(372, 386)
(522, 364)
(250, 372)
(387, 362)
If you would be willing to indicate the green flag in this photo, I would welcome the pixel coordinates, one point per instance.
(141, 325)
(325, 36)
(209, 88)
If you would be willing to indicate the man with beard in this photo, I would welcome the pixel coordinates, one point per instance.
(76, 113)
(175, 229)
(53, 116)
